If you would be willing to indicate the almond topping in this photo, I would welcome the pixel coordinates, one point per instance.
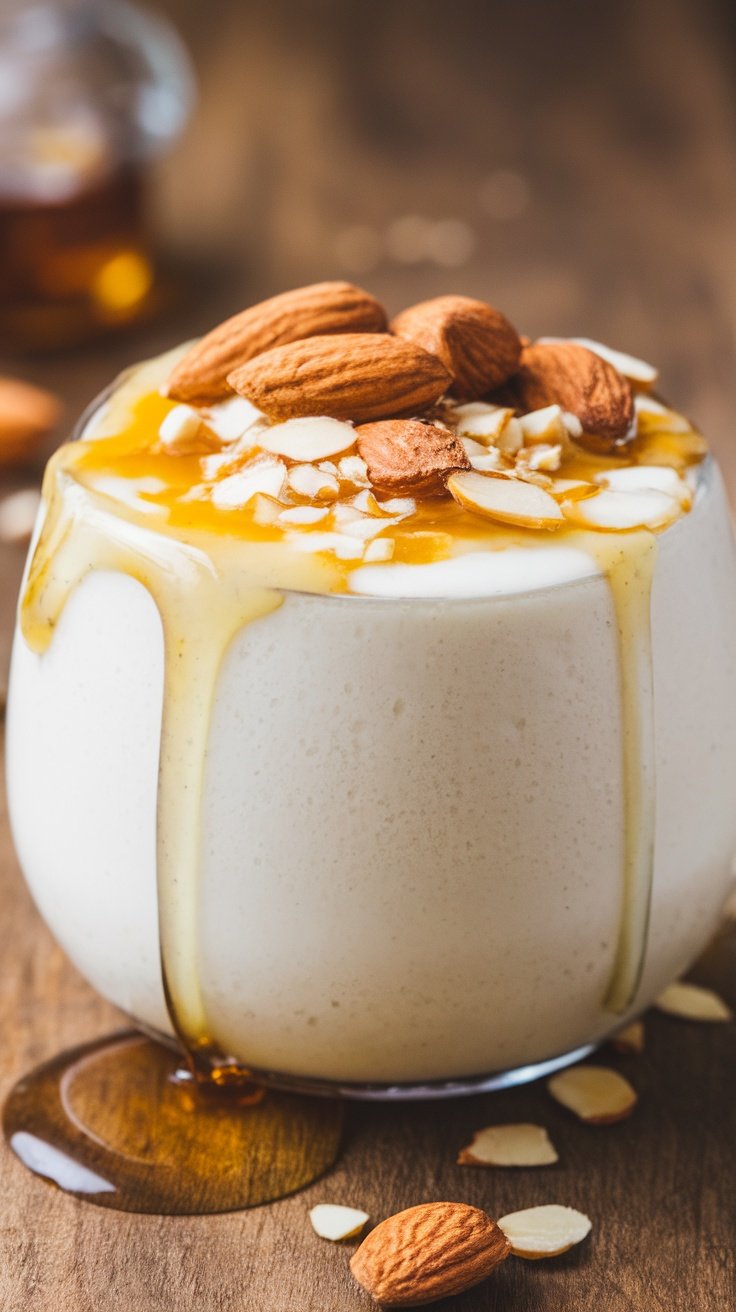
(27, 416)
(581, 383)
(628, 365)
(427, 1253)
(312, 438)
(360, 376)
(410, 457)
(324, 307)
(332, 1221)
(509, 1145)
(630, 1039)
(476, 343)
(693, 1002)
(184, 433)
(508, 500)
(596, 1094)
(314, 483)
(614, 512)
(263, 475)
(545, 1231)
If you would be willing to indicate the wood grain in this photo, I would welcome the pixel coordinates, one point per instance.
(620, 121)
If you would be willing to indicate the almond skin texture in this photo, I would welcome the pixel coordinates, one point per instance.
(427, 1253)
(324, 307)
(357, 376)
(582, 383)
(27, 415)
(409, 457)
(476, 343)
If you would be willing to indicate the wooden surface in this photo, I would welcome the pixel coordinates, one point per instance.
(618, 126)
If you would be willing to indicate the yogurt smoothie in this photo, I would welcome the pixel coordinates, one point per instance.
(380, 709)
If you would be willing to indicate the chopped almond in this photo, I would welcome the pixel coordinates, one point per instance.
(693, 1002)
(630, 1039)
(544, 1231)
(335, 1222)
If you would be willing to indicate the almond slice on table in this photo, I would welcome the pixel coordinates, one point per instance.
(474, 341)
(409, 457)
(506, 499)
(693, 1002)
(359, 376)
(322, 308)
(630, 1039)
(596, 1094)
(335, 1222)
(27, 416)
(311, 438)
(427, 1253)
(638, 371)
(619, 512)
(545, 1231)
(509, 1145)
(582, 384)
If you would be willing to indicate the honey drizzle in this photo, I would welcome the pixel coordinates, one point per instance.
(627, 562)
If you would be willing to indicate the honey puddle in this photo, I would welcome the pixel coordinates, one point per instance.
(115, 1110)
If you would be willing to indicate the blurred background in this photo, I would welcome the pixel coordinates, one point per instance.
(161, 166)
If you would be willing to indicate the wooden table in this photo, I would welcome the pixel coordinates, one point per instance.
(317, 120)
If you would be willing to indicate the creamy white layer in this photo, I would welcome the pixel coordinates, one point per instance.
(412, 843)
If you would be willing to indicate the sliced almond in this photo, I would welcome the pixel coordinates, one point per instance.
(409, 456)
(509, 1145)
(543, 456)
(322, 308)
(545, 1231)
(596, 1094)
(398, 506)
(473, 448)
(645, 478)
(379, 550)
(307, 439)
(358, 376)
(507, 500)
(183, 432)
(314, 483)
(620, 512)
(335, 1222)
(545, 425)
(353, 469)
(481, 421)
(655, 417)
(630, 1039)
(571, 489)
(475, 342)
(486, 464)
(337, 544)
(233, 418)
(693, 1002)
(511, 438)
(628, 365)
(236, 490)
(303, 515)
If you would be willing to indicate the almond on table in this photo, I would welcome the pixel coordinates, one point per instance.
(596, 1094)
(509, 1145)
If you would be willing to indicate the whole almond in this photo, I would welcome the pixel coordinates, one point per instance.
(357, 376)
(27, 416)
(477, 343)
(409, 457)
(427, 1253)
(583, 384)
(324, 307)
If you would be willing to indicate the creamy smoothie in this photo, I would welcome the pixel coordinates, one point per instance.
(368, 736)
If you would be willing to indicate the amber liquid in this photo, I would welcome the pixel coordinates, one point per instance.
(73, 268)
(121, 1123)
